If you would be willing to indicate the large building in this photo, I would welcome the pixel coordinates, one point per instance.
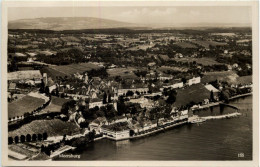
(194, 80)
(25, 76)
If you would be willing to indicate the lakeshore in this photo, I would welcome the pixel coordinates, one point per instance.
(162, 128)
(206, 141)
(171, 125)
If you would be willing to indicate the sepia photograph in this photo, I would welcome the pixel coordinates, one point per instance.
(115, 81)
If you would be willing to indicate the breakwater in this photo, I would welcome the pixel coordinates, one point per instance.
(232, 115)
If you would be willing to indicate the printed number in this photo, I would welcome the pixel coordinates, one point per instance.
(240, 155)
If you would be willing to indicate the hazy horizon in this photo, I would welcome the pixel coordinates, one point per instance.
(153, 16)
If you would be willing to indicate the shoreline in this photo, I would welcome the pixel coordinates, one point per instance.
(220, 102)
(242, 95)
(160, 129)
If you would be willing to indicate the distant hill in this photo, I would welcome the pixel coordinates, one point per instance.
(68, 23)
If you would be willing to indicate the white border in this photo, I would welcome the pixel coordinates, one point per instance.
(253, 4)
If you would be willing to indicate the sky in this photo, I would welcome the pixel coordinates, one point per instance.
(143, 15)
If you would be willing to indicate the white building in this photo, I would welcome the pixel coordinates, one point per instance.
(177, 85)
(211, 88)
(134, 90)
(183, 114)
(194, 80)
(121, 119)
(95, 103)
(115, 135)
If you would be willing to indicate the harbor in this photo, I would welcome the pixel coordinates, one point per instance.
(182, 142)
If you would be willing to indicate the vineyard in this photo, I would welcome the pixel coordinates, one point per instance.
(74, 68)
(185, 45)
(206, 44)
(24, 105)
(53, 127)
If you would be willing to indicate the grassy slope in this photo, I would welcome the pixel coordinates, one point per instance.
(196, 93)
(23, 105)
(54, 127)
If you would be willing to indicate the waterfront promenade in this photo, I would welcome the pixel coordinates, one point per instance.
(158, 130)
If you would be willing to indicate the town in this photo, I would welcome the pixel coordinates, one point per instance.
(72, 87)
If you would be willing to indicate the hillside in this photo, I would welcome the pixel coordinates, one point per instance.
(67, 23)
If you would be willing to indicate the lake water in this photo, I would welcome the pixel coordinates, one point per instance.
(212, 140)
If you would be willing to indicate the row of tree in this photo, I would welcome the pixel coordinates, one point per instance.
(28, 138)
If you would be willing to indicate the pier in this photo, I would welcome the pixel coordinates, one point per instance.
(232, 115)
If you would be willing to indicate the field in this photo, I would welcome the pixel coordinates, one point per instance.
(73, 68)
(228, 76)
(52, 72)
(206, 44)
(244, 80)
(171, 68)
(23, 105)
(223, 34)
(54, 127)
(185, 45)
(122, 72)
(20, 148)
(70, 38)
(205, 61)
(55, 105)
(164, 57)
(140, 47)
(196, 93)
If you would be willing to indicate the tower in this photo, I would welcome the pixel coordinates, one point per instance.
(85, 77)
(45, 78)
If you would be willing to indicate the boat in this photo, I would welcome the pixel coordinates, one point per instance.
(198, 120)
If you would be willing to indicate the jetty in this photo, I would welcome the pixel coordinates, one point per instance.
(232, 115)
(242, 95)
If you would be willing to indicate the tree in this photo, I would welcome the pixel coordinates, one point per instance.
(172, 97)
(105, 98)
(28, 138)
(45, 136)
(42, 148)
(91, 135)
(16, 139)
(131, 132)
(42, 87)
(57, 92)
(22, 138)
(118, 79)
(66, 106)
(47, 151)
(39, 136)
(10, 140)
(109, 98)
(211, 96)
(184, 80)
(101, 113)
(34, 137)
(224, 96)
(84, 124)
(64, 137)
(47, 90)
(129, 93)
(27, 114)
